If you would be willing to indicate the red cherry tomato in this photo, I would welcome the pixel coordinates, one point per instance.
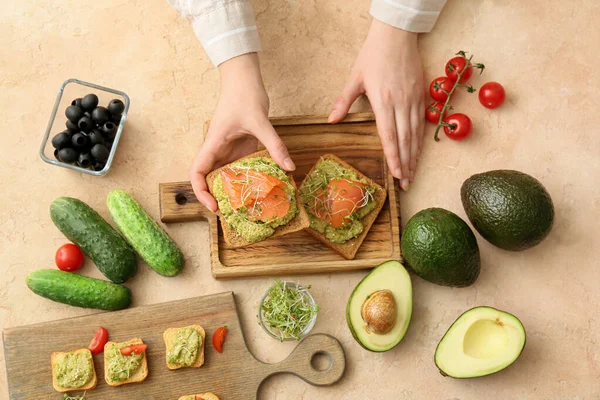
(432, 114)
(219, 338)
(69, 257)
(460, 126)
(441, 93)
(198, 398)
(100, 338)
(492, 95)
(455, 66)
(134, 348)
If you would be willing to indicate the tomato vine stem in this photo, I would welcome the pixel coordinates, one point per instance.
(456, 84)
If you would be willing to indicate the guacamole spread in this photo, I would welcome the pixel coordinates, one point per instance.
(325, 171)
(238, 220)
(73, 370)
(184, 347)
(121, 367)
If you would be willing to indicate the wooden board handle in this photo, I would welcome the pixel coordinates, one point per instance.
(300, 361)
(178, 203)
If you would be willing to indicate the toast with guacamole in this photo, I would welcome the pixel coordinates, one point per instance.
(73, 370)
(342, 204)
(185, 347)
(203, 396)
(121, 369)
(257, 200)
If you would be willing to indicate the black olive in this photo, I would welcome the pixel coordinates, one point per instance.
(116, 119)
(80, 141)
(76, 102)
(96, 137)
(116, 107)
(100, 115)
(68, 155)
(85, 160)
(100, 152)
(87, 114)
(108, 144)
(61, 140)
(85, 124)
(109, 129)
(89, 102)
(56, 154)
(72, 127)
(98, 166)
(74, 113)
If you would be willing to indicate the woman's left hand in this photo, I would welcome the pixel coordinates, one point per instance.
(388, 70)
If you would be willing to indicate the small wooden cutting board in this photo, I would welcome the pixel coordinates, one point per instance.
(356, 141)
(232, 375)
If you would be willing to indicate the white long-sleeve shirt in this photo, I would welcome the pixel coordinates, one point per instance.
(226, 28)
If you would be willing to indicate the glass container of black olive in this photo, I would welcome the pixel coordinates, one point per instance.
(85, 126)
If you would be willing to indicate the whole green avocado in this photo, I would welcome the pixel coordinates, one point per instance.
(441, 248)
(510, 209)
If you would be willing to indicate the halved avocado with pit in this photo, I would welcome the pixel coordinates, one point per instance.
(380, 307)
(480, 342)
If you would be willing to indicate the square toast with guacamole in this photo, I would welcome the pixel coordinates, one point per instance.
(121, 370)
(257, 200)
(180, 345)
(73, 370)
(203, 396)
(342, 204)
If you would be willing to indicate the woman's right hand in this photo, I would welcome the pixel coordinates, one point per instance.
(241, 119)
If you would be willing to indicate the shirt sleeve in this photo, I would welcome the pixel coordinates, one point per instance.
(226, 28)
(409, 15)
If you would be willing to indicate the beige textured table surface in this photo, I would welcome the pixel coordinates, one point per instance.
(544, 52)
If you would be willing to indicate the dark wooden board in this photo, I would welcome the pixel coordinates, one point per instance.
(308, 137)
(235, 374)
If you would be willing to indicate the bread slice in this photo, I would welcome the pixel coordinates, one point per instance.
(90, 385)
(168, 338)
(204, 396)
(299, 222)
(349, 248)
(139, 376)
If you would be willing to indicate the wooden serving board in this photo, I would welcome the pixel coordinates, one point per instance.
(232, 375)
(307, 137)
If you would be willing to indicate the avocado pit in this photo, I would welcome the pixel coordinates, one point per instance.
(379, 311)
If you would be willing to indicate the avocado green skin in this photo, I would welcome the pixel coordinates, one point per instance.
(510, 209)
(97, 239)
(78, 291)
(455, 321)
(150, 241)
(441, 248)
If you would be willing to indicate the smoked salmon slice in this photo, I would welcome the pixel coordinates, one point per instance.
(275, 205)
(247, 188)
(339, 199)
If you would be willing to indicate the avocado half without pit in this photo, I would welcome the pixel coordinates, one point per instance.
(380, 307)
(480, 342)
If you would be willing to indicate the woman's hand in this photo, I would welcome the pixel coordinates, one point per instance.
(240, 120)
(388, 70)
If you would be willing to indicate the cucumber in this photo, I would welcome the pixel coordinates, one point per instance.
(97, 239)
(150, 241)
(78, 291)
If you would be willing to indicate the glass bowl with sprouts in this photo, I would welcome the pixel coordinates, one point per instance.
(287, 311)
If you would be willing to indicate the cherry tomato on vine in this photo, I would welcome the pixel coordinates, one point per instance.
(100, 338)
(444, 86)
(455, 66)
(492, 95)
(219, 338)
(69, 257)
(134, 348)
(458, 126)
(432, 114)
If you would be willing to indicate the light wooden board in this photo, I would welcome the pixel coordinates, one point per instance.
(307, 137)
(232, 375)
